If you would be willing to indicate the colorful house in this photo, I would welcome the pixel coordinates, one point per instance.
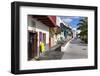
(41, 34)
(45, 32)
(65, 29)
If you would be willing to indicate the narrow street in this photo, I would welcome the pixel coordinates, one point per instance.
(52, 38)
(76, 50)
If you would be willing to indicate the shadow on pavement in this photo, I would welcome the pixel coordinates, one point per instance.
(51, 55)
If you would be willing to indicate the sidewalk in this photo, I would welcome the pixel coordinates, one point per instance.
(52, 54)
(76, 49)
(64, 46)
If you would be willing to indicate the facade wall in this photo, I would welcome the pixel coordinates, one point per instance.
(51, 36)
(53, 39)
(74, 32)
(64, 34)
(40, 27)
(53, 43)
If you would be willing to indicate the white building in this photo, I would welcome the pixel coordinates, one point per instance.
(37, 27)
(74, 32)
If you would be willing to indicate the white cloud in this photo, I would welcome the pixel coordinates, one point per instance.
(68, 20)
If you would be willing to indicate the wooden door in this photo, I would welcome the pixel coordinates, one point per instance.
(32, 45)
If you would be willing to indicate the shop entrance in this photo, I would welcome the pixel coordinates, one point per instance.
(32, 45)
(42, 42)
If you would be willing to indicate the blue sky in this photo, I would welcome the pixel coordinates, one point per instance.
(71, 20)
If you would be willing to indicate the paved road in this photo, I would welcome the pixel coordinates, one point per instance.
(52, 54)
(76, 50)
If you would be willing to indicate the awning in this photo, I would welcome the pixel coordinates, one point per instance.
(45, 20)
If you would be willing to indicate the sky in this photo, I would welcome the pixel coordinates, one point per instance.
(71, 20)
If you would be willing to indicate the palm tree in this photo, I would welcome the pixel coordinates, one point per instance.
(83, 27)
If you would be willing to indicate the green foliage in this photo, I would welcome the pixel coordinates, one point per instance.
(83, 26)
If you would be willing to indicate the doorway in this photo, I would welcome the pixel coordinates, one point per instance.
(42, 39)
(32, 45)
